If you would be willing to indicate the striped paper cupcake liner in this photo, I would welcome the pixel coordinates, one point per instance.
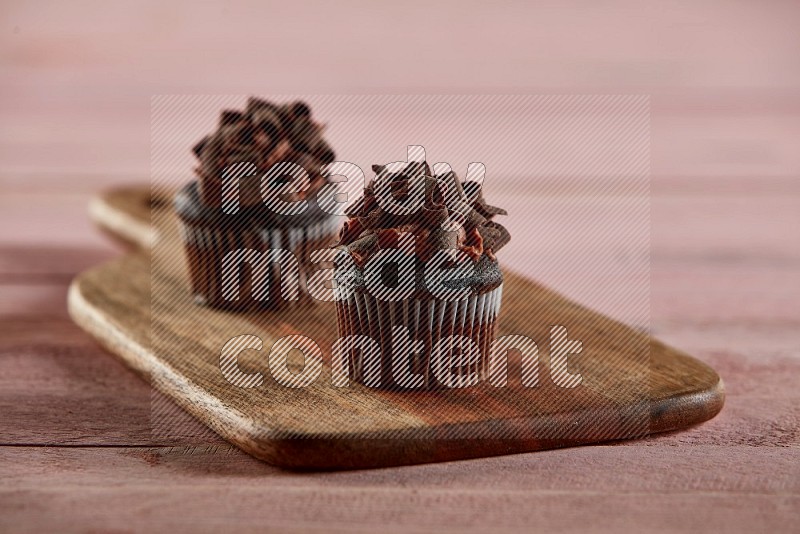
(206, 248)
(426, 323)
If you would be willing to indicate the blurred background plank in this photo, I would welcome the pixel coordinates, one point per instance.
(723, 77)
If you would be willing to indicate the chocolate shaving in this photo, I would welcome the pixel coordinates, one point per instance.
(494, 235)
(361, 248)
(486, 210)
(230, 116)
(198, 148)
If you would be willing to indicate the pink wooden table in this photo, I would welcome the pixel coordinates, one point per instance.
(77, 452)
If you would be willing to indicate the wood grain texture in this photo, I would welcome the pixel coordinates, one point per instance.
(359, 427)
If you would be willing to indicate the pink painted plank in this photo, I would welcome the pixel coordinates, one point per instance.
(57, 387)
(53, 220)
(40, 301)
(48, 264)
(719, 468)
(597, 489)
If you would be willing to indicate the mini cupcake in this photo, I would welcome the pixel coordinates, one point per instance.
(216, 221)
(447, 326)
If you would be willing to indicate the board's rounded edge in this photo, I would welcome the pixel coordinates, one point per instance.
(687, 409)
(125, 225)
(83, 313)
(251, 436)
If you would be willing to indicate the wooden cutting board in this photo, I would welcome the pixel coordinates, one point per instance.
(139, 307)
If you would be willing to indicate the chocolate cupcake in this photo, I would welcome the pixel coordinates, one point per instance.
(224, 221)
(432, 312)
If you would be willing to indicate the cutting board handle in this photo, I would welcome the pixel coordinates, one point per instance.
(124, 213)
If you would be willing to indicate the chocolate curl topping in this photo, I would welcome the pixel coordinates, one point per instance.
(470, 189)
(198, 148)
(230, 116)
(300, 109)
(362, 248)
(447, 220)
(263, 133)
(254, 104)
(494, 236)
